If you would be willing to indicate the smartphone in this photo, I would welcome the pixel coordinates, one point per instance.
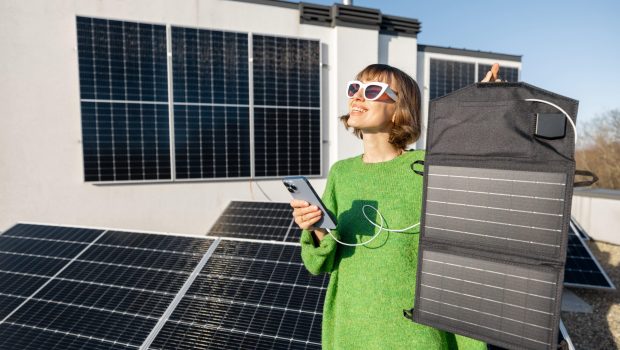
(300, 188)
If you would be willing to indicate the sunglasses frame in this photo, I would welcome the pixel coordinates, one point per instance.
(385, 88)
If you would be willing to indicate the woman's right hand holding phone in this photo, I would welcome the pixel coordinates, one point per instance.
(307, 215)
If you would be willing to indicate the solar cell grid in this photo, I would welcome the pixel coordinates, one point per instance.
(163, 243)
(56, 233)
(125, 276)
(581, 268)
(516, 210)
(256, 289)
(31, 338)
(211, 103)
(141, 258)
(18, 284)
(447, 76)
(286, 85)
(113, 326)
(33, 247)
(134, 301)
(257, 220)
(124, 100)
(513, 303)
(8, 303)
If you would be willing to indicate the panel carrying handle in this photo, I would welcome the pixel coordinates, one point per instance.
(587, 182)
(421, 173)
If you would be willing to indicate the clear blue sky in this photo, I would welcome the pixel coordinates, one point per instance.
(570, 47)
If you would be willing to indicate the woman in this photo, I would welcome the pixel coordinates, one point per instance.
(372, 284)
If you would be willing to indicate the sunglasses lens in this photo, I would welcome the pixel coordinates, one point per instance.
(373, 91)
(353, 88)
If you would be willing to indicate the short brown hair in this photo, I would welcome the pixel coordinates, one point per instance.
(406, 128)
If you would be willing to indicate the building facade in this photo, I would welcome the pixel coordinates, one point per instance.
(153, 115)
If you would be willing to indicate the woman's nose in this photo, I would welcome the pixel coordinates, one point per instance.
(359, 94)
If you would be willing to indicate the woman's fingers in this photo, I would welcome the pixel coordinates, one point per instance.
(305, 222)
(487, 78)
(492, 75)
(306, 210)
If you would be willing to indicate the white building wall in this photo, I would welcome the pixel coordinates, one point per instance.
(41, 176)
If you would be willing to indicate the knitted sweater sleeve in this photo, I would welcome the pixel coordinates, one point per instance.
(321, 259)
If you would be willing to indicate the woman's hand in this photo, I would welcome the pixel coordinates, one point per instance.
(307, 215)
(492, 76)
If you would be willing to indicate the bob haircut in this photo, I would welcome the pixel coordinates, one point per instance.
(406, 129)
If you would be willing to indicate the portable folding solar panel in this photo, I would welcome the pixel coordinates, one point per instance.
(498, 183)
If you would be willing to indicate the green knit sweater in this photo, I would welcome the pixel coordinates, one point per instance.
(371, 285)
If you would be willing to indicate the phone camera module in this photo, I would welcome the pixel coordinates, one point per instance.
(290, 187)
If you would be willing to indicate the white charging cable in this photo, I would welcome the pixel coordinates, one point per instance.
(561, 110)
(381, 228)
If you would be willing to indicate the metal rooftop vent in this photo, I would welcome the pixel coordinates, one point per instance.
(400, 25)
(356, 16)
(315, 14)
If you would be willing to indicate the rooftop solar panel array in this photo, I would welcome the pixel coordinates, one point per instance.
(70, 288)
(582, 270)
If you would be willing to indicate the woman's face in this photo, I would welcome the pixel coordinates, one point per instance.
(372, 116)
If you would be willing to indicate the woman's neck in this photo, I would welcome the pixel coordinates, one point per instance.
(377, 148)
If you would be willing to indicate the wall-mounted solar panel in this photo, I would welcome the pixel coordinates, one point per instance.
(211, 103)
(124, 100)
(270, 221)
(447, 76)
(495, 217)
(287, 106)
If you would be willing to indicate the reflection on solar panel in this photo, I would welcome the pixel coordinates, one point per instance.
(211, 103)
(257, 220)
(249, 295)
(582, 269)
(124, 99)
(287, 113)
(69, 288)
(505, 73)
